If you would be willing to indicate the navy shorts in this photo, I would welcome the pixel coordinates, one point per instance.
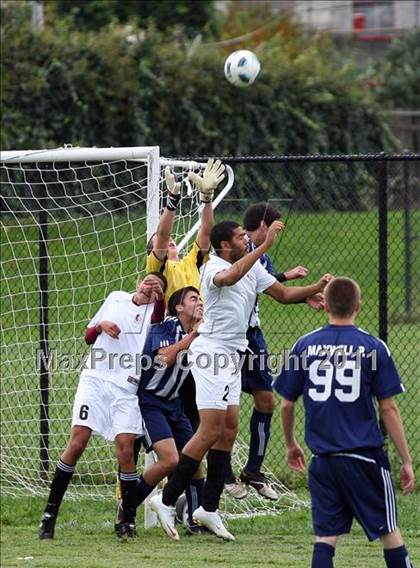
(356, 485)
(163, 419)
(255, 373)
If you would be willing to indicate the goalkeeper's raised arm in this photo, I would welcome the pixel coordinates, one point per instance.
(159, 242)
(213, 175)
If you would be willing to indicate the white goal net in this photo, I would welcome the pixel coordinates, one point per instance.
(75, 223)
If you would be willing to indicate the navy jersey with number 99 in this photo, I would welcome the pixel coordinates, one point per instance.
(341, 371)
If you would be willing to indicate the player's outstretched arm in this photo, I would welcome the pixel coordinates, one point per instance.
(207, 221)
(213, 175)
(391, 419)
(295, 454)
(231, 275)
(295, 294)
(166, 221)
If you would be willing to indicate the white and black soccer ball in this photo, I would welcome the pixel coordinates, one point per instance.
(242, 68)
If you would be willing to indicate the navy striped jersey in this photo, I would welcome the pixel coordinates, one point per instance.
(341, 371)
(163, 381)
(265, 260)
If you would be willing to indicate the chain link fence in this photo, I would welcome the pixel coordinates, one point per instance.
(356, 216)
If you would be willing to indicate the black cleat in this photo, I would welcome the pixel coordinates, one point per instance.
(47, 526)
(126, 531)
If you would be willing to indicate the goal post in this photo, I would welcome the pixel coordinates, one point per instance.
(75, 222)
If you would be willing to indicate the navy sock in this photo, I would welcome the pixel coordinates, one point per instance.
(397, 557)
(260, 434)
(62, 477)
(194, 495)
(322, 556)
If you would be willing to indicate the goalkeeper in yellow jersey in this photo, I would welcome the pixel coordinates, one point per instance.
(162, 252)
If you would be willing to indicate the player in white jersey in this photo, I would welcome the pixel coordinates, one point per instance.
(106, 400)
(231, 280)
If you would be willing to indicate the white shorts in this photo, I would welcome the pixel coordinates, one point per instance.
(217, 377)
(106, 408)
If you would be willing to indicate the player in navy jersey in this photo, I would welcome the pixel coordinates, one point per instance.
(341, 371)
(256, 377)
(167, 428)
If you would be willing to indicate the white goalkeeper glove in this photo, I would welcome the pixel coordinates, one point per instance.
(213, 174)
(174, 190)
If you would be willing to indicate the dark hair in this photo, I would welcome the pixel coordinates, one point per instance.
(159, 275)
(342, 296)
(222, 231)
(178, 297)
(260, 212)
(149, 246)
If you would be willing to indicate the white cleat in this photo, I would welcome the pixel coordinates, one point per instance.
(237, 490)
(268, 492)
(165, 515)
(212, 522)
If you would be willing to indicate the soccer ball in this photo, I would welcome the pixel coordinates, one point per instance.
(242, 68)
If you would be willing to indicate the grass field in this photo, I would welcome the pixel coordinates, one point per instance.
(92, 257)
(84, 539)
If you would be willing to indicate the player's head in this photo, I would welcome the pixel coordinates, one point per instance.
(257, 219)
(187, 303)
(172, 248)
(229, 240)
(342, 298)
(145, 285)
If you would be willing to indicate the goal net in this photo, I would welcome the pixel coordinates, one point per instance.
(75, 223)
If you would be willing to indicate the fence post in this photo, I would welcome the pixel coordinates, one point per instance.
(407, 238)
(383, 247)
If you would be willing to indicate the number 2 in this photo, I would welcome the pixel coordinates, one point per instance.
(351, 379)
(225, 396)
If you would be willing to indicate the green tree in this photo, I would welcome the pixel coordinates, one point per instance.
(94, 14)
(99, 88)
(400, 73)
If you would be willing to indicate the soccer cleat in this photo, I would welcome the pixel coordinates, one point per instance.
(47, 526)
(213, 522)
(260, 483)
(181, 510)
(126, 531)
(165, 515)
(236, 489)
